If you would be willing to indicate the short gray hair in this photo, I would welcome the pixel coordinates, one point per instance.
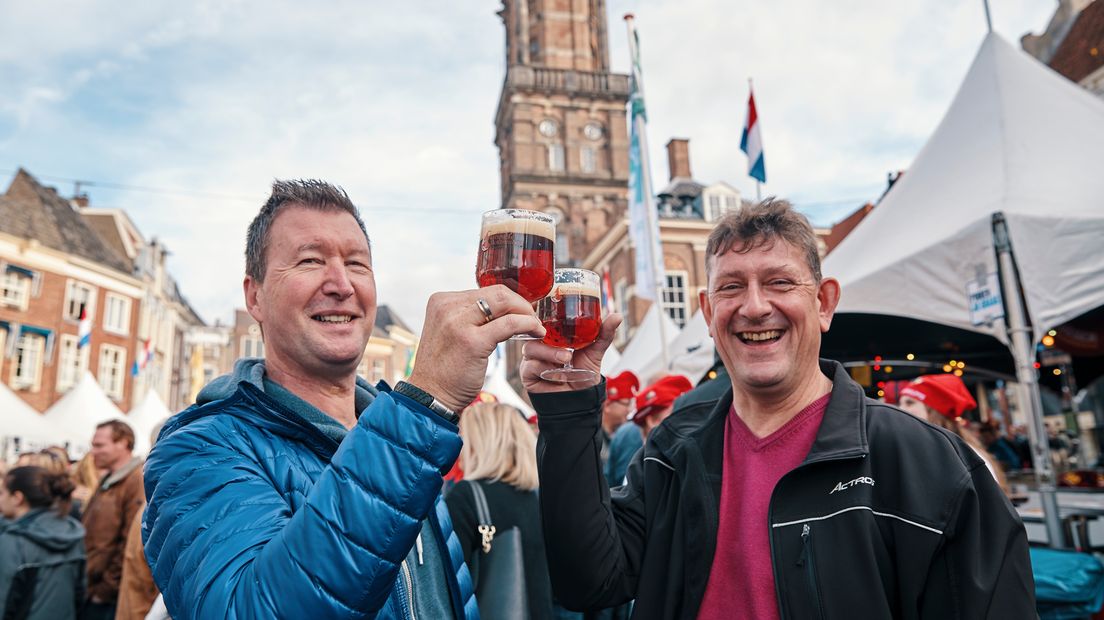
(750, 227)
(309, 193)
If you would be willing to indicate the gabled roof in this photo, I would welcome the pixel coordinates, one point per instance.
(682, 187)
(1082, 50)
(386, 317)
(32, 211)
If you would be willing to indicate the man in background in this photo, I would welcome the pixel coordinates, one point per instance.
(111, 509)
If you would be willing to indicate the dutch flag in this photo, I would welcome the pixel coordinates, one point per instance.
(84, 330)
(752, 143)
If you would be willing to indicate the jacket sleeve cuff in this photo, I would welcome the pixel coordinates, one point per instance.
(564, 406)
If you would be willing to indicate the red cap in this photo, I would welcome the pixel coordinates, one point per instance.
(946, 394)
(622, 387)
(659, 395)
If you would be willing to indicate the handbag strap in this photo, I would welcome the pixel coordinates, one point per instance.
(484, 525)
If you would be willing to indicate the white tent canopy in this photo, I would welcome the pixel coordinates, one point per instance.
(690, 353)
(73, 419)
(646, 344)
(144, 418)
(496, 384)
(1018, 139)
(21, 427)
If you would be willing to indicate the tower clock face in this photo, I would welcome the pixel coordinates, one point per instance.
(547, 128)
(592, 131)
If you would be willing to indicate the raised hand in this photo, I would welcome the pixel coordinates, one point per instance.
(459, 336)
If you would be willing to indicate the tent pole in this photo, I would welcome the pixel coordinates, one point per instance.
(1022, 341)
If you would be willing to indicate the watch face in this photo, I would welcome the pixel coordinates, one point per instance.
(592, 131)
(547, 128)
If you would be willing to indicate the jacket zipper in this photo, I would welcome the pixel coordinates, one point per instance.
(806, 560)
(770, 524)
(408, 581)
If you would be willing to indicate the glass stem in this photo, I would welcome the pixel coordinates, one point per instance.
(567, 364)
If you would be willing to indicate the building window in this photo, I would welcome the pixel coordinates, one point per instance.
(72, 360)
(588, 159)
(674, 297)
(379, 367)
(15, 289)
(112, 370)
(26, 372)
(563, 244)
(730, 203)
(79, 296)
(556, 157)
(116, 314)
(713, 209)
(252, 346)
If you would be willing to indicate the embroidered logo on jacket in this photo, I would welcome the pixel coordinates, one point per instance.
(843, 486)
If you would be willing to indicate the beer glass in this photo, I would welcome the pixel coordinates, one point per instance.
(572, 316)
(516, 249)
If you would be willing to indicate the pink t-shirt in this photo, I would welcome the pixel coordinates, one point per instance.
(741, 582)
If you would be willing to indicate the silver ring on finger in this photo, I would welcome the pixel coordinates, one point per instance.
(485, 308)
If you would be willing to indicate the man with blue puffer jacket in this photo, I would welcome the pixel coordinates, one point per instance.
(292, 488)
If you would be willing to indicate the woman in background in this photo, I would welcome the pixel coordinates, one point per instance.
(42, 549)
(941, 400)
(499, 455)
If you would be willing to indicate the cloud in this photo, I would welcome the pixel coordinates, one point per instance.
(396, 103)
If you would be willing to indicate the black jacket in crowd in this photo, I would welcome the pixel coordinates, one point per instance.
(887, 517)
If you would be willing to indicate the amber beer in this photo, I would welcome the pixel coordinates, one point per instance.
(572, 314)
(516, 249)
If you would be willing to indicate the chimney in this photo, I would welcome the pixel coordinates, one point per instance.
(678, 158)
(80, 200)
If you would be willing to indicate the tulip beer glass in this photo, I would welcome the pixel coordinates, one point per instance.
(516, 249)
(572, 316)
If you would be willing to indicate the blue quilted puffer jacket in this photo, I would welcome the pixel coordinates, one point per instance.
(255, 513)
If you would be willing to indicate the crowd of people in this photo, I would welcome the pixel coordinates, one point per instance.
(293, 488)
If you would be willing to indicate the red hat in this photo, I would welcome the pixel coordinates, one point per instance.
(622, 387)
(946, 394)
(659, 395)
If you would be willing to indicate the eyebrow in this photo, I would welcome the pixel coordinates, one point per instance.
(315, 246)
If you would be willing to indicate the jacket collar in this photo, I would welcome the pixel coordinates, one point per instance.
(842, 433)
(120, 474)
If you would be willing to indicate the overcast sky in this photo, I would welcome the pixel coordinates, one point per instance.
(395, 101)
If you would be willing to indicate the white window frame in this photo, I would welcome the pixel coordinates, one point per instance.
(676, 301)
(379, 369)
(72, 362)
(15, 290)
(588, 159)
(555, 157)
(26, 371)
(713, 208)
(112, 370)
(70, 297)
(116, 321)
(252, 346)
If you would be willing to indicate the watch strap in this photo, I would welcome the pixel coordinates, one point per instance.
(427, 400)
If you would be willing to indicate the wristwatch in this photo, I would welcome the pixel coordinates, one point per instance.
(423, 398)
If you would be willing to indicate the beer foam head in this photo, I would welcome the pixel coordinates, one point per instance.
(574, 288)
(500, 221)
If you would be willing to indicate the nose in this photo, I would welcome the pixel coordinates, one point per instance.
(337, 282)
(755, 304)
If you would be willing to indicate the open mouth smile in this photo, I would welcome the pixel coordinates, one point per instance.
(332, 318)
(760, 337)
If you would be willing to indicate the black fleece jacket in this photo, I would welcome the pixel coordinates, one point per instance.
(887, 517)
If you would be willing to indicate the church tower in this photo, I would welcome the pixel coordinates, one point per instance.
(560, 127)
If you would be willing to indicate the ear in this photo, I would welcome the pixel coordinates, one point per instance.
(19, 497)
(707, 310)
(828, 296)
(253, 298)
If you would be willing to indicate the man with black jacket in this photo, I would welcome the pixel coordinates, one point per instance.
(790, 494)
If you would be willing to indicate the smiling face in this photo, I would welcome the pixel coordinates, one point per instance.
(766, 313)
(317, 303)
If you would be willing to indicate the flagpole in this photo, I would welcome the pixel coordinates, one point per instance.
(988, 17)
(646, 182)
